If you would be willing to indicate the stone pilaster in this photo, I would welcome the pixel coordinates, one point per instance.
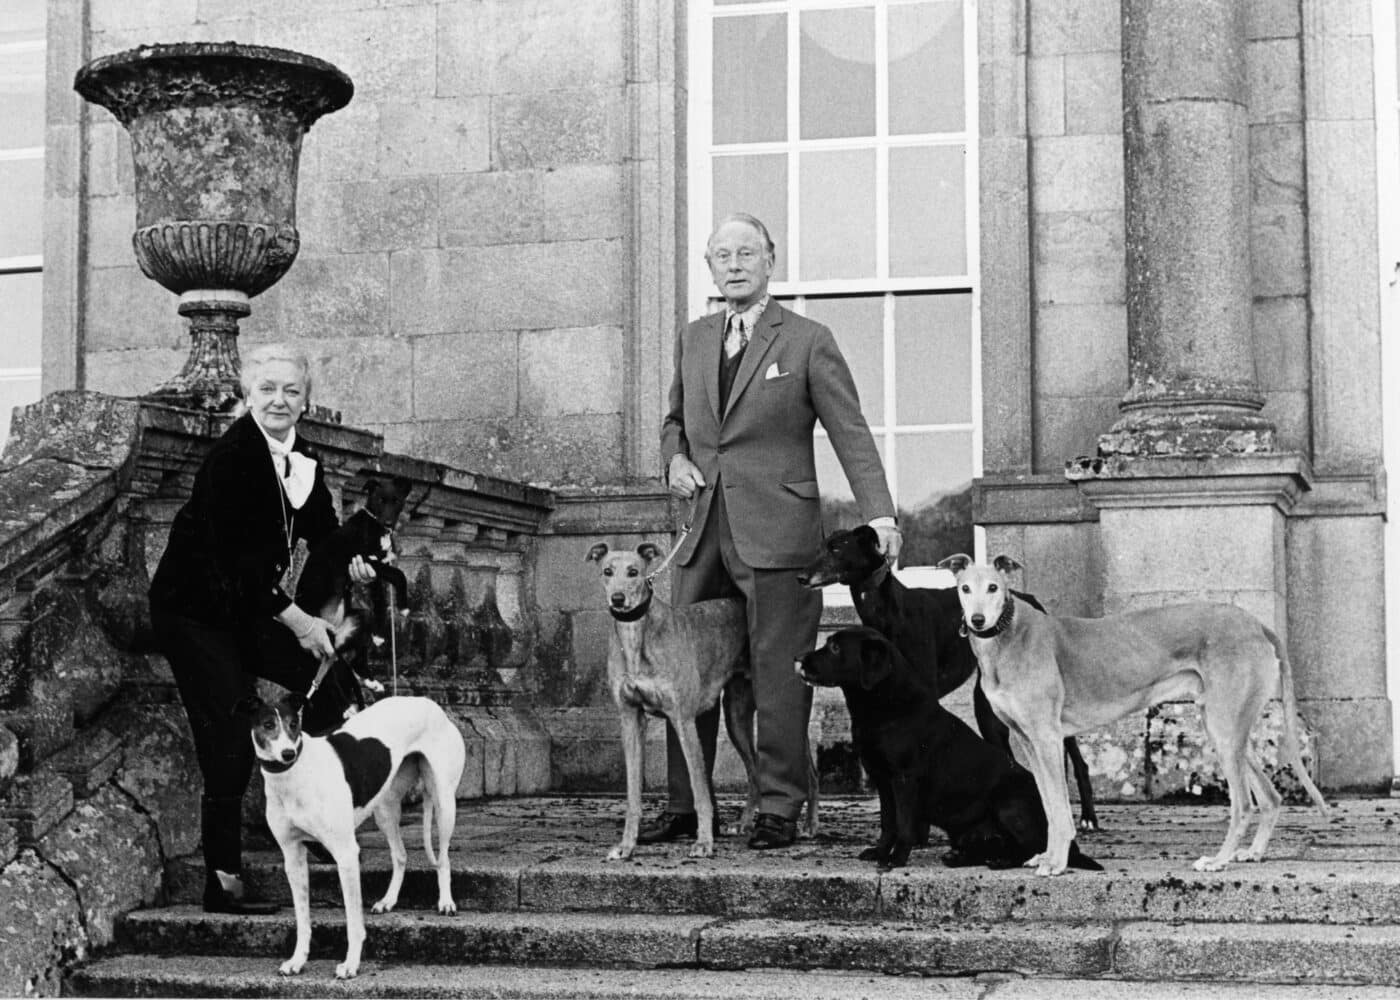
(1193, 388)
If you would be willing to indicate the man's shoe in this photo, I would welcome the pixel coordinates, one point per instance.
(770, 831)
(671, 826)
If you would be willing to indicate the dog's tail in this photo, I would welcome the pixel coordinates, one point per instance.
(1289, 750)
(1078, 859)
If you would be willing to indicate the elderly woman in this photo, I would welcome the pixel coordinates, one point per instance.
(218, 607)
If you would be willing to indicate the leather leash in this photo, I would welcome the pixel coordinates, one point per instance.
(685, 531)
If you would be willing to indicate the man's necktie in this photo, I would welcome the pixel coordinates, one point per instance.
(737, 338)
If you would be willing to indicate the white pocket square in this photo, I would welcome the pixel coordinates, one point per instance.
(773, 372)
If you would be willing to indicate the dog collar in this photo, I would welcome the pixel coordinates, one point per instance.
(276, 766)
(635, 615)
(1008, 612)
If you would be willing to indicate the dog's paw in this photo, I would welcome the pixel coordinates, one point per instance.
(383, 906)
(620, 853)
(703, 849)
(292, 966)
(870, 854)
(447, 907)
(1248, 855)
(372, 685)
(1047, 870)
(1210, 864)
(347, 970)
(1034, 861)
(1088, 824)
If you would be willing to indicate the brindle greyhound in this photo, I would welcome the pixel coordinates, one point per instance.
(924, 623)
(675, 662)
(1046, 677)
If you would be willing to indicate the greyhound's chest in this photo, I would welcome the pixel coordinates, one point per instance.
(637, 678)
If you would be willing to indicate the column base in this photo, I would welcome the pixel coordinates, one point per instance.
(1157, 432)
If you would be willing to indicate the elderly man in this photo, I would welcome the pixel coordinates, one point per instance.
(750, 384)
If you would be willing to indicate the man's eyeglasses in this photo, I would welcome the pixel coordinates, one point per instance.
(745, 257)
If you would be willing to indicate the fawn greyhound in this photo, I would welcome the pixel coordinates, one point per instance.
(675, 662)
(1046, 677)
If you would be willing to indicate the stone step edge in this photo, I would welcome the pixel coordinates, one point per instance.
(1133, 950)
(204, 976)
(858, 892)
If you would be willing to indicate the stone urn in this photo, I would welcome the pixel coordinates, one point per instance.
(216, 132)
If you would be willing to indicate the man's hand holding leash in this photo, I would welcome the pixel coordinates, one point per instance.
(685, 477)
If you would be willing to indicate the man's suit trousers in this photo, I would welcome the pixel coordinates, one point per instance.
(783, 617)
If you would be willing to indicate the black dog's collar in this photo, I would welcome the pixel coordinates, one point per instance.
(1008, 612)
(635, 615)
(277, 767)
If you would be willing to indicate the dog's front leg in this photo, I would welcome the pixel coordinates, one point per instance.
(633, 736)
(1044, 753)
(880, 852)
(298, 879)
(904, 790)
(699, 788)
(348, 863)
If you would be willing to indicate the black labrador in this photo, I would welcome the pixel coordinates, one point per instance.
(927, 765)
(925, 623)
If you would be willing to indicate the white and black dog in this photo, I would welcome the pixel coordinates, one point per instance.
(323, 787)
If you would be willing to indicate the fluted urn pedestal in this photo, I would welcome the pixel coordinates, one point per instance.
(216, 131)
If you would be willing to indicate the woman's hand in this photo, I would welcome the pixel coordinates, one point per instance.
(313, 634)
(361, 571)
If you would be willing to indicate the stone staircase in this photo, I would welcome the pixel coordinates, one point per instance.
(544, 916)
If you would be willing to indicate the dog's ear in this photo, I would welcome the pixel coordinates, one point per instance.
(648, 551)
(245, 707)
(596, 553)
(371, 488)
(866, 535)
(295, 701)
(1005, 564)
(874, 662)
(403, 486)
(956, 563)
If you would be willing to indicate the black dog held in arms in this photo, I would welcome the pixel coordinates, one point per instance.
(325, 590)
(924, 623)
(927, 765)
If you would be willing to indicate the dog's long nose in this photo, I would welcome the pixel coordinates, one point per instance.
(978, 621)
(618, 599)
(288, 756)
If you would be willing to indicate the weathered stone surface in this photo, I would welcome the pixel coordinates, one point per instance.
(1275, 81)
(1278, 242)
(136, 371)
(571, 371)
(1353, 741)
(444, 365)
(391, 214)
(159, 771)
(1082, 349)
(515, 751)
(107, 849)
(346, 295)
(9, 757)
(388, 50)
(86, 428)
(532, 286)
(434, 135)
(1071, 425)
(35, 803)
(1078, 173)
(66, 641)
(1090, 26)
(562, 127)
(44, 724)
(371, 382)
(1079, 257)
(1258, 953)
(1093, 85)
(1045, 95)
(551, 45)
(41, 928)
(89, 761)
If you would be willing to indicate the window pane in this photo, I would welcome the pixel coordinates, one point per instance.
(15, 391)
(928, 211)
(933, 342)
(21, 298)
(750, 84)
(756, 185)
(21, 221)
(926, 68)
(837, 204)
(23, 20)
(857, 322)
(838, 501)
(934, 496)
(21, 96)
(838, 73)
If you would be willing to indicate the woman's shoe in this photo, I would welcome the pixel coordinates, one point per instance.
(224, 893)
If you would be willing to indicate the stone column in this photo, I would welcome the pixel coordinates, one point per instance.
(1193, 389)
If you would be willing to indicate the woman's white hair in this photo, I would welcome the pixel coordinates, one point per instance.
(266, 354)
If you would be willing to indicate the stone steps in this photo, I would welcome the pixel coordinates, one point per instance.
(541, 907)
